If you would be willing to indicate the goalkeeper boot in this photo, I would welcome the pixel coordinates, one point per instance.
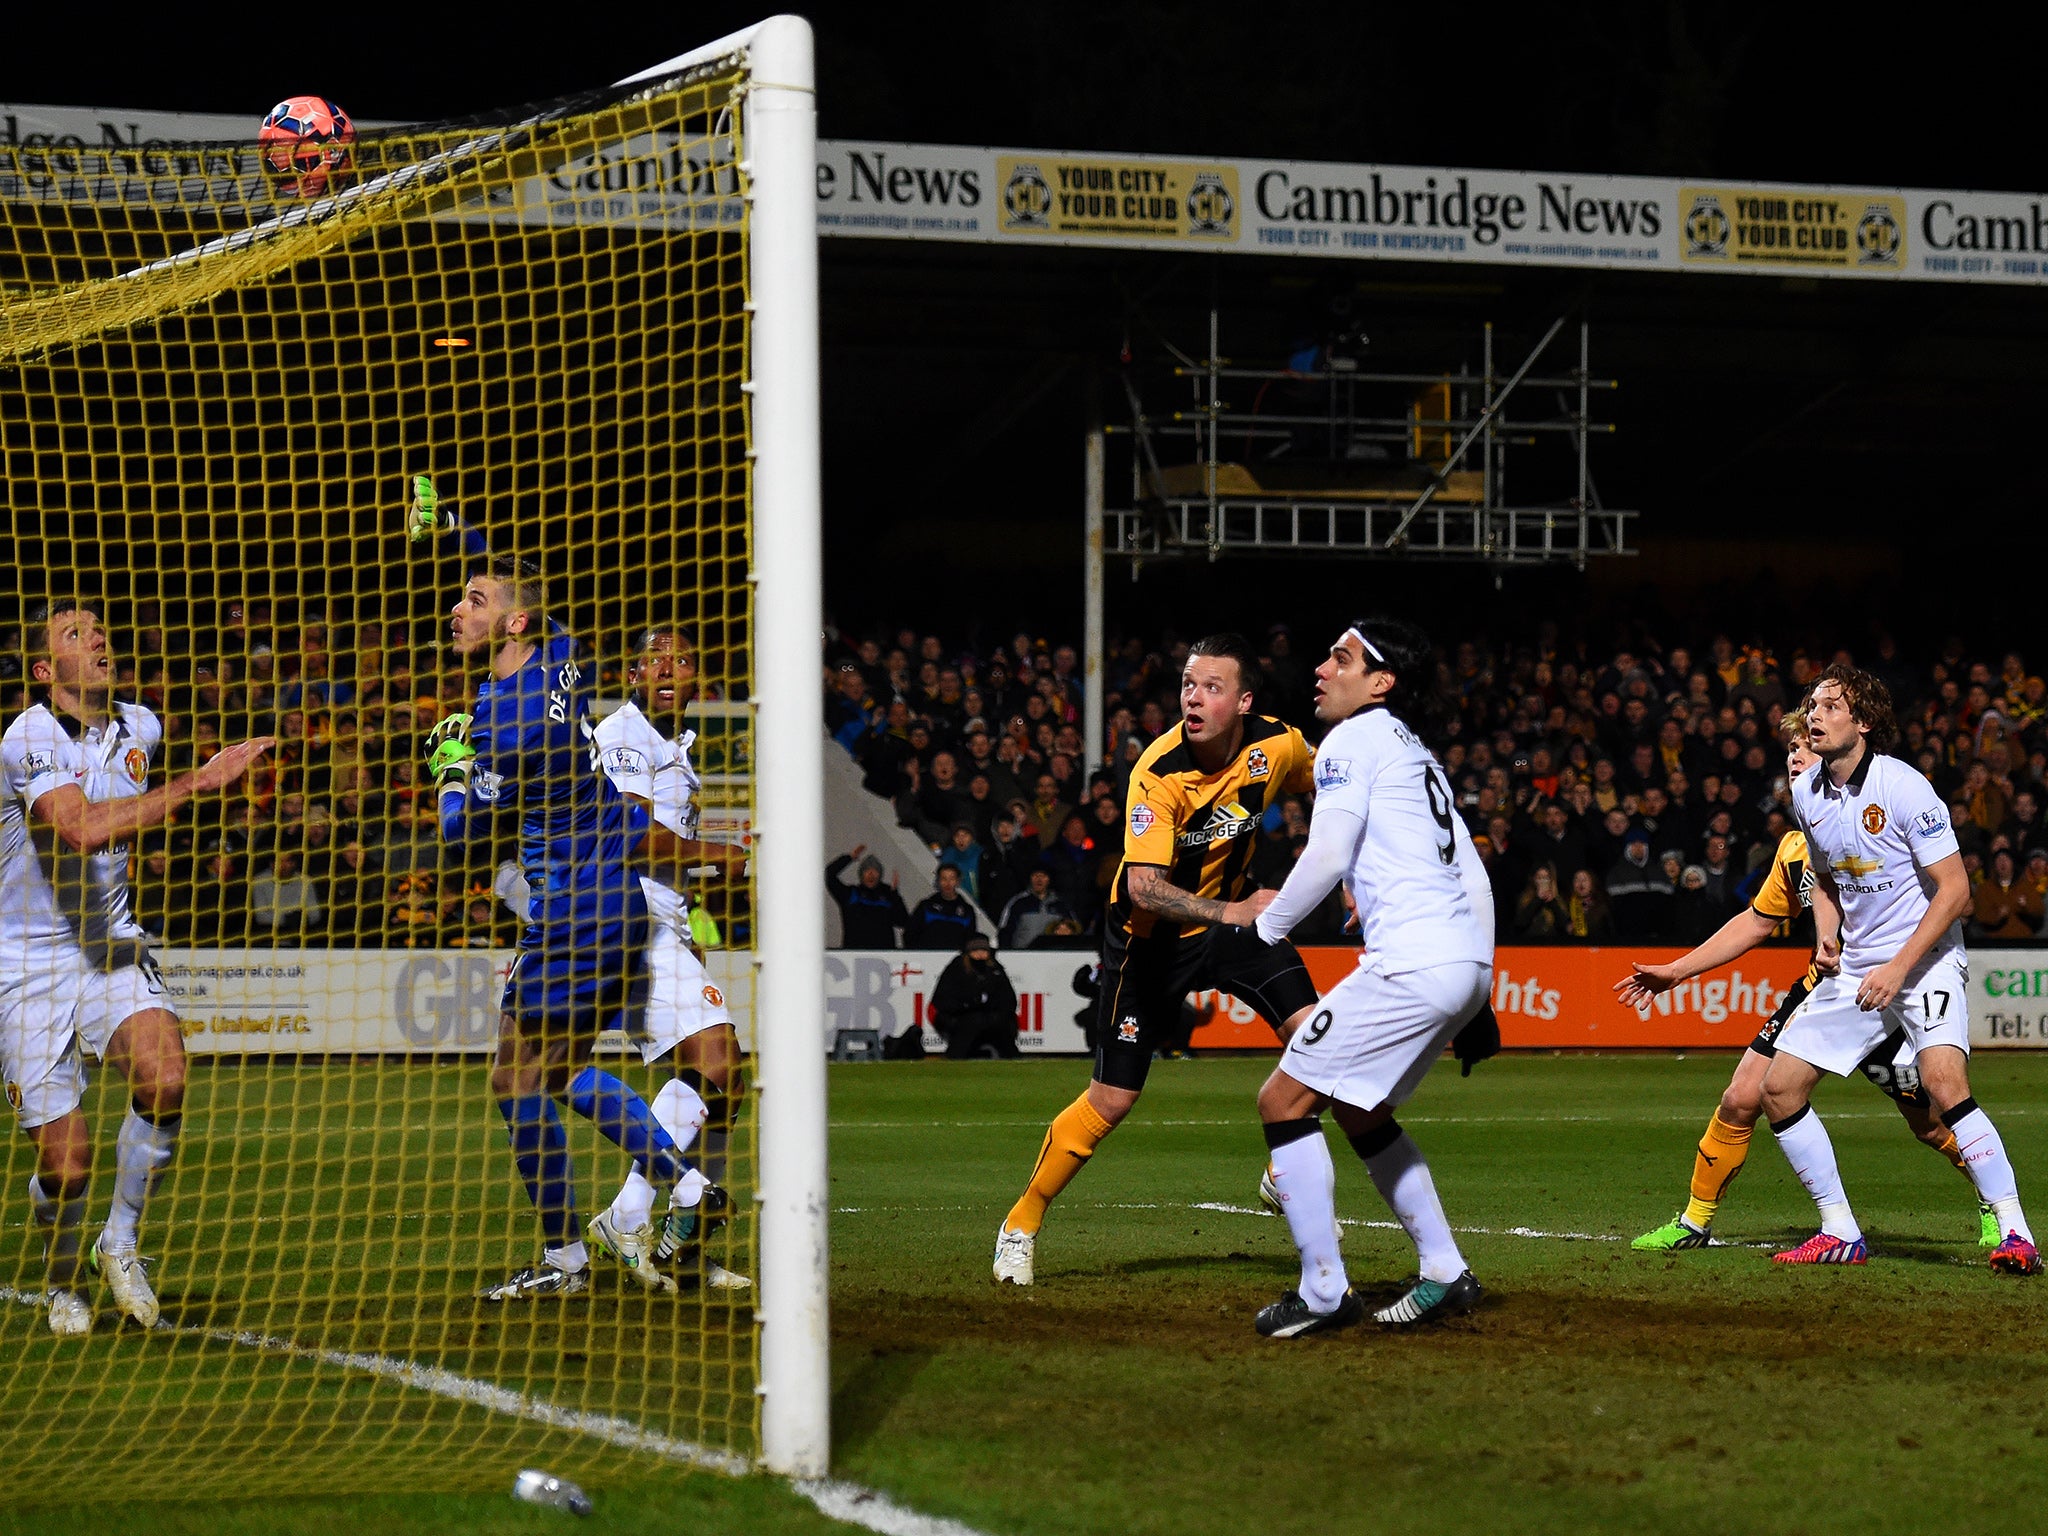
(1676, 1236)
(1269, 1192)
(1431, 1301)
(1988, 1233)
(1290, 1317)
(719, 1278)
(538, 1280)
(685, 1227)
(1015, 1252)
(127, 1276)
(70, 1314)
(633, 1251)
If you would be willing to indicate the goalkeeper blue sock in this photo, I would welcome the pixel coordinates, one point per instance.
(540, 1147)
(624, 1118)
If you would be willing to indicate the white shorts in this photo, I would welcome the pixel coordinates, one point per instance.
(1374, 1037)
(49, 1019)
(1933, 1008)
(679, 999)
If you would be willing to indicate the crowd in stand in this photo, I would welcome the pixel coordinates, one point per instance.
(1621, 795)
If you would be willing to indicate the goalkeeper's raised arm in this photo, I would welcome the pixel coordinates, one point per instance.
(429, 515)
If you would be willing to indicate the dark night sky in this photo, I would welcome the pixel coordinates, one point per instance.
(1753, 409)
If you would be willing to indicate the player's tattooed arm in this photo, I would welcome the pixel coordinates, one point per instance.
(1151, 890)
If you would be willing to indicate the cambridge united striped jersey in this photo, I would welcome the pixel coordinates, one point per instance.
(1199, 827)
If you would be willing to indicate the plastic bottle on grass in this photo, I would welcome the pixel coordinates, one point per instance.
(534, 1486)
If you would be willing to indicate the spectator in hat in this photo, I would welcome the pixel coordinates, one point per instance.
(871, 914)
(1638, 892)
(943, 919)
(1006, 863)
(974, 1006)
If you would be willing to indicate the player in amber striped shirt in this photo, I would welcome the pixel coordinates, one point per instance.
(1785, 896)
(1178, 921)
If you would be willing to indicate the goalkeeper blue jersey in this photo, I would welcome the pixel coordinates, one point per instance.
(534, 751)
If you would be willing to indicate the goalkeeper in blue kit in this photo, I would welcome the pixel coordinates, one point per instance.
(523, 745)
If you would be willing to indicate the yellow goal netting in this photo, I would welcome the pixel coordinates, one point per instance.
(218, 404)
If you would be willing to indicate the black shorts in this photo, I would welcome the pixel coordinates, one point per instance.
(1766, 1041)
(1900, 1084)
(1144, 984)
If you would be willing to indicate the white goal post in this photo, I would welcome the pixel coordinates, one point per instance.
(778, 167)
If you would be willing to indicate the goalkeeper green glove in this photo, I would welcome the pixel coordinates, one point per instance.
(419, 517)
(449, 754)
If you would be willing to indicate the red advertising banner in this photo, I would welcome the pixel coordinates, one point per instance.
(1563, 999)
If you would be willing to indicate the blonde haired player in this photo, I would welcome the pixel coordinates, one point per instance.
(1787, 892)
(75, 972)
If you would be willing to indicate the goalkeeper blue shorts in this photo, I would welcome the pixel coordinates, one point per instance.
(577, 988)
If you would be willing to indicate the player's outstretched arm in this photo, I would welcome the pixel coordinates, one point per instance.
(670, 858)
(429, 515)
(90, 825)
(1333, 835)
(1738, 936)
(1151, 890)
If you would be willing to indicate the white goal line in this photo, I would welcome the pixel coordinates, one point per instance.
(849, 1502)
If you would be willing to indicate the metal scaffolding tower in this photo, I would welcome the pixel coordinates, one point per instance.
(1430, 484)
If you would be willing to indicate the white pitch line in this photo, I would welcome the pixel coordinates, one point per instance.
(875, 1511)
(846, 1502)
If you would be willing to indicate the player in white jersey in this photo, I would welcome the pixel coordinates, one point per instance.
(682, 1020)
(1889, 895)
(1385, 824)
(75, 973)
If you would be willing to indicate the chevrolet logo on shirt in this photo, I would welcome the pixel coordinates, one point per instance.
(1856, 868)
(1225, 822)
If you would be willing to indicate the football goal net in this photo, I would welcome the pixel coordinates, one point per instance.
(440, 1090)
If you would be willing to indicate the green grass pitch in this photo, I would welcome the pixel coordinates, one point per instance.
(1125, 1392)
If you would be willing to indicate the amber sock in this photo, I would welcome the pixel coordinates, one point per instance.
(1720, 1157)
(1951, 1149)
(1069, 1142)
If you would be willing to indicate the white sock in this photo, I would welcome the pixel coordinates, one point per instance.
(633, 1206)
(1307, 1181)
(689, 1191)
(45, 1208)
(1804, 1141)
(1984, 1158)
(141, 1154)
(570, 1258)
(681, 1111)
(1404, 1182)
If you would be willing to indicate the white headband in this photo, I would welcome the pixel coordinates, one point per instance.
(1370, 649)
